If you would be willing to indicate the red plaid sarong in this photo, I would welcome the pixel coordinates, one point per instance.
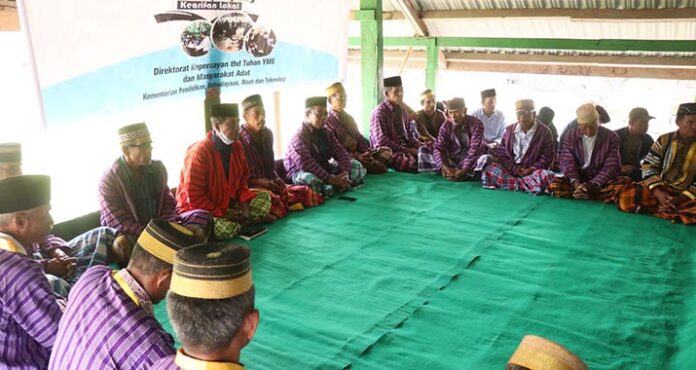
(496, 176)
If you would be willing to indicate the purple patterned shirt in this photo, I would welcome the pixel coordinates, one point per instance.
(103, 328)
(346, 131)
(259, 153)
(384, 131)
(29, 313)
(119, 207)
(605, 164)
(539, 155)
(307, 153)
(450, 151)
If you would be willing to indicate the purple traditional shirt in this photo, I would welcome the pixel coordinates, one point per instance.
(450, 150)
(259, 153)
(29, 313)
(391, 129)
(343, 126)
(119, 204)
(605, 162)
(107, 326)
(310, 151)
(539, 154)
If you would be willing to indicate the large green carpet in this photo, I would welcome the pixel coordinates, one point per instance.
(420, 273)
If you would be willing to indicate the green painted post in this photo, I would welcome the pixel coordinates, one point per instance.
(372, 57)
(431, 64)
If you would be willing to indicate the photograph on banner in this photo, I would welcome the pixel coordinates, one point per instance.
(168, 49)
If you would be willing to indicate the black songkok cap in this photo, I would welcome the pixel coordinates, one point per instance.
(21, 193)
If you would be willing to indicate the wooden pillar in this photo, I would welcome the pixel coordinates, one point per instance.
(277, 127)
(372, 57)
(432, 60)
(212, 96)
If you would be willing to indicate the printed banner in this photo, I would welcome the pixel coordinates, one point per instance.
(94, 58)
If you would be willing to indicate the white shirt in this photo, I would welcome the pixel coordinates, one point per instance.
(521, 141)
(588, 144)
(493, 125)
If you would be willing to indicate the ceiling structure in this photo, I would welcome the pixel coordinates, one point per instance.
(640, 38)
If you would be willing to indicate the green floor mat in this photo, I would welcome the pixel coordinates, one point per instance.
(423, 273)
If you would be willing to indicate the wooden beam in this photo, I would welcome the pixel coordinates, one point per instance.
(568, 67)
(420, 55)
(573, 14)
(579, 70)
(537, 43)
(410, 11)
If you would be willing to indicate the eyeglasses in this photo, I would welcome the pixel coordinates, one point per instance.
(142, 146)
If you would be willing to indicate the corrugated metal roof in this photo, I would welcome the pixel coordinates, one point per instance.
(390, 5)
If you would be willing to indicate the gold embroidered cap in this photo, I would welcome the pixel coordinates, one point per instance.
(133, 132)
(539, 353)
(335, 88)
(163, 239)
(587, 114)
(252, 101)
(212, 271)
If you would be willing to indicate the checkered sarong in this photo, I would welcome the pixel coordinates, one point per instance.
(356, 176)
(637, 198)
(259, 207)
(496, 176)
(426, 161)
(561, 188)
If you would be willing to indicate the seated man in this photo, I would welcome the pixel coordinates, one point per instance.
(537, 353)
(522, 160)
(309, 155)
(493, 120)
(215, 178)
(390, 127)
(635, 142)
(460, 146)
(29, 311)
(64, 262)
(590, 161)
(203, 288)
(134, 190)
(257, 140)
(430, 119)
(573, 125)
(342, 125)
(109, 321)
(669, 170)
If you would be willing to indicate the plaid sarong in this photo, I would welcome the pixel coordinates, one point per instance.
(90, 249)
(637, 198)
(356, 176)
(383, 154)
(259, 207)
(496, 176)
(561, 188)
(426, 161)
(404, 162)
